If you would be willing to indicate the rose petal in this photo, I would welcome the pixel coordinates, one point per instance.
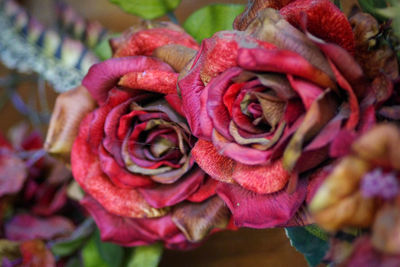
(25, 227)
(196, 220)
(217, 166)
(319, 114)
(284, 61)
(87, 172)
(177, 56)
(164, 195)
(13, 173)
(254, 210)
(70, 108)
(103, 76)
(262, 179)
(133, 232)
(324, 20)
(206, 190)
(308, 92)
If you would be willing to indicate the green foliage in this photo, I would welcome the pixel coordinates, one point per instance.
(111, 254)
(147, 9)
(67, 246)
(91, 256)
(103, 49)
(371, 6)
(148, 256)
(204, 22)
(311, 241)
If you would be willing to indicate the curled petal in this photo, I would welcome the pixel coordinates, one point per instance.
(217, 166)
(102, 77)
(253, 7)
(177, 56)
(319, 114)
(262, 179)
(157, 81)
(254, 210)
(206, 190)
(196, 220)
(134, 232)
(88, 173)
(70, 109)
(324, 20)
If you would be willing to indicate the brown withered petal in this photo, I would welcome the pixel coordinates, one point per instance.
(352, 211)
(196, 220)
(70, 108)
(342, 182)
(271, 27)
(321, 111)
(253, 6)
(373, 57)
(380, 145)
(386, 230)
(177, 56)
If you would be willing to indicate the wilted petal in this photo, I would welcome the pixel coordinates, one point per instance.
(342, 182)
(262, 179)
(254, 210)
(35, 254)
(319, 114)
(217, 166)
(163, 82)
(164, 195)
(144, 42)
(324, 20)
(132, 232)
(196, 220)
(25, 227)
(391, 112)
(69, 110)
(253, 7)
(102, 77)
(13, 173)
(177, 56)
(88, 173)
(206, 190)
(380, 145)
(9, 251)
(271, 27)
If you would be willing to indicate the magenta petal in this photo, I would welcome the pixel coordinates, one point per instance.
(341, 145)
(164, 195)
(13, 173)
(261, 211)
(26, 227)
(134, 232)
(104, 76)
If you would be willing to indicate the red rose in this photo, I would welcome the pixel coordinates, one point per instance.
(267, 102)
(132, 154)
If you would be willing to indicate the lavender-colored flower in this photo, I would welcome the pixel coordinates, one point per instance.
(379, 184)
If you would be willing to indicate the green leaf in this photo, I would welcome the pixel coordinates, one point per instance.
(148, 256)
(147, 9)
(91, 256)
(208, 20)
(311, 241)
(103, 49)
(66, 246)
(371, 6)
(112, 254)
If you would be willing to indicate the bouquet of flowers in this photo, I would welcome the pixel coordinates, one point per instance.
(289, 118)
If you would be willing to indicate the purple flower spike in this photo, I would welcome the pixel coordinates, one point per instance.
(377, 183)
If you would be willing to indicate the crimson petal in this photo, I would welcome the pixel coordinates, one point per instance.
(105, 75)
(254, 210)
(13, 173)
